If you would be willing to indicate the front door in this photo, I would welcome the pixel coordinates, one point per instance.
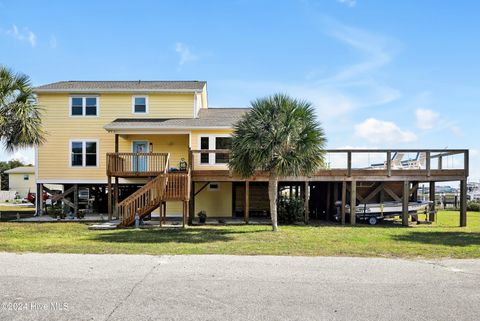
(140, 163)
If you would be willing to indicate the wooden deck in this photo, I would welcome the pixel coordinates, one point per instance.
(381, 166)
(340, 175)
(137, 164)
(164, 185)
(432, 168)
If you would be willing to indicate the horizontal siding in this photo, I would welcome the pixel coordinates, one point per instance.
(176, 145)
(209, 201)
(196, 134)
(17, 183)
(53, 155)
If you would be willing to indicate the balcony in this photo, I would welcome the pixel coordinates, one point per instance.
(137, 164)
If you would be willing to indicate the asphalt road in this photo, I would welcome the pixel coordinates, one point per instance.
(123, 287)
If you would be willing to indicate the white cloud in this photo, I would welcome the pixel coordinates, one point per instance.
(377, 51)
(379, 131)
(337, 95)
(32, 38)
(350, 3)
(426, 118)
(25, 156)
(185, 54)
(53, 42)
(22, 35)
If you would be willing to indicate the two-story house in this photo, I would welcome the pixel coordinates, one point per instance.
(134, 147)
(112, 137)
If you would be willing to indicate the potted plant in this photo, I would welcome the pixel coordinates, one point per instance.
(202, 217)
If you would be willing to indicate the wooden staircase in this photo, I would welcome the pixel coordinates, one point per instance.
(166, 186)
(143, 201)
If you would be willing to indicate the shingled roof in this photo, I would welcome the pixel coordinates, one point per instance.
(208, 118)
(121, 86)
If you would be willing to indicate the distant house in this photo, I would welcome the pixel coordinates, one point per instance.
(22, 180)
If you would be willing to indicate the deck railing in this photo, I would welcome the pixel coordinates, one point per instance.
(136, 164)
(389, 160)
(382, 160)
(143, 201)
(178, 186)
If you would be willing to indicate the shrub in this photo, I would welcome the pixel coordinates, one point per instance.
(473, 206)
(202, 216)
(290, 210)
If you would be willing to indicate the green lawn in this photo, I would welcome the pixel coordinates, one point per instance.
(443, 239)
(16, 208)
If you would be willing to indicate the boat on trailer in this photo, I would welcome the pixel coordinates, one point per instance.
(374, 212)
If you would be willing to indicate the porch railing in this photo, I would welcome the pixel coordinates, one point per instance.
(178, 186)
(379, 160)
(136, 164)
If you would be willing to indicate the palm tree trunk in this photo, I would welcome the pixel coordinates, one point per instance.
(272, 194)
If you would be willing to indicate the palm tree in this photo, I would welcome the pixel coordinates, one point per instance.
(20, 117)
(281, 137)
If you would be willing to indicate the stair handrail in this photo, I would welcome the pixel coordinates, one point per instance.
(145, 200)
(160, 182)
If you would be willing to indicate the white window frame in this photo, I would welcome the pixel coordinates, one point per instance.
(146, 105)
(211, 146)
(26, 177)
(84, 105)
(84, 154)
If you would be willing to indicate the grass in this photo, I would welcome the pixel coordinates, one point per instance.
(13, 208)
(443, 239)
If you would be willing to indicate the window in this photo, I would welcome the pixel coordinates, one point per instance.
(222, 143)
(26, 177)
(77, 153)
(204, 144)
(214, 142)
(91, 106)
(140, 105)
(77, 106)
(84, 106)
(84, 153)
(214, 187)
(90, 153)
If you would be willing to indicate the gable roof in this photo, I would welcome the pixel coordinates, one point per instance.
(122, 86)
(207, 118)
(21, 170)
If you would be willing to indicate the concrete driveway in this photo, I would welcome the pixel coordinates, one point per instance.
(127, 287)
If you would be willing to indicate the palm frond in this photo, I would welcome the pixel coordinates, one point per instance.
(279, 135)
(20, 117)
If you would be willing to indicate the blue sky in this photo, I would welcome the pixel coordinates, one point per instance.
(381, 74)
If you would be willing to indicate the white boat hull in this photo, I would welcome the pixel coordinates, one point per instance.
(388, 208)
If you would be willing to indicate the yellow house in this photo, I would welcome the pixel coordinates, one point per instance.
(130, 148)
(22, 180)
(112, 137)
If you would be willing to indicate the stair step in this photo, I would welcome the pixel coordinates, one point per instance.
(112, 225)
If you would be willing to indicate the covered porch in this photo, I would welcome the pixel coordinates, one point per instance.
(145, 171)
